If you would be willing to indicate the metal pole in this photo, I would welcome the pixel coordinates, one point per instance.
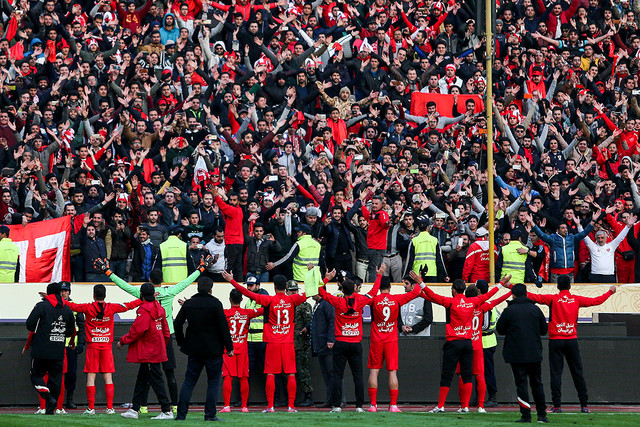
(489, 101)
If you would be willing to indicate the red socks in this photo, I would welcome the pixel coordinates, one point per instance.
(91, 396)
(373, 396)
(291, 390)
(393, 394)
(465, 394)
(42, 402)
(109, 390)
(442, 396)
(227, 386)
(270, 389)
(61, 397)
(482, 390)
(244, 391)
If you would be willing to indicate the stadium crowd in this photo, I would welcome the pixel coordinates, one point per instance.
(271, 135)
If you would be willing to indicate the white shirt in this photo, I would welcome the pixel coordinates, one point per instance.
(603, 257)
(214, 249)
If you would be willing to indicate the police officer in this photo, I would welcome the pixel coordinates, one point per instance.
(302, 345)
(513, 258)
(424, 250)
(9, 253)
(306, 250)
(173, 254)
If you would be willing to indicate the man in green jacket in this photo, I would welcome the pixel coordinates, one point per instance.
(165, 296)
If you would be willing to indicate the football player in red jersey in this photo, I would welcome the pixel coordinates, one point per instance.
(385, 309)
(278, 334)
(99, 334)
(238, 364)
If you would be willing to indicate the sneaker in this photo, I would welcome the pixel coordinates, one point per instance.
(336, 409)
(291, 410)
(463, 410)
(144, 410)
(89, 412)
(524, 420)
(436, 410)
(585, 410)
(225, 409)
(61, 412)
(130, 414)
(481, 410)
(359, 410)
(543, 420)
(111, 411)
(244, 409)
(556, 410)
(163, 416)
(40, 411)
(373, 408)
(268, 410)
(394, 408)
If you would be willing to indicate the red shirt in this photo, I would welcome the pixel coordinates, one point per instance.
(149, 335)
(238, 320)
(459, 311)
(378, 225)
(563, 309)
(384, 314)
(476, 323)
(99, 332)
(476, 265)
(348, 318)
(233, 234)
(280, 310)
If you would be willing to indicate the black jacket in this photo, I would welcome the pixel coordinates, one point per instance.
(92, 250)
(522, 323)
(52, 322)
(257, 258)
(137, 261)
(207, 330)
(322, 327)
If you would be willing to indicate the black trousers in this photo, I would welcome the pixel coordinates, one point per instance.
(343, 353)
(213, 365)
(169, 368)
(524, 373)
(375, 261)
(325, 359)
(50, 390)
(235, 255)
(340, 262)
(150, 374)
(558, 351)
(454, 352)
(72, 371)
(602, 278)
(489, 370)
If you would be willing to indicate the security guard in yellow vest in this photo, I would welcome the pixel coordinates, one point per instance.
(512, 259)
(306, 250)
(255, 343)
(9, 254)
(424, 250)
(489, 345)
(173, 253)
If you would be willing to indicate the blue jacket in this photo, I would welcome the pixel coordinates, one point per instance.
(166, 34)
(562, 248)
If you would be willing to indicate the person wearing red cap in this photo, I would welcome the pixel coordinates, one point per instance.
(449, 79)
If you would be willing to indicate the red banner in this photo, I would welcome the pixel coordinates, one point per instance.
(44, 250)
(444, 103)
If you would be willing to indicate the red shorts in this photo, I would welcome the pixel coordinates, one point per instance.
(236, 366)
(379, 351)
(99, 360)
(280, 358)
(478, 363)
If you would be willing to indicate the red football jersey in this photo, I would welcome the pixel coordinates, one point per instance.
(476, 323)
(280, 309)
(238, 320)
(99, 332)
(384, 314)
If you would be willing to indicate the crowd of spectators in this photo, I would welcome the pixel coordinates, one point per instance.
(247, 122)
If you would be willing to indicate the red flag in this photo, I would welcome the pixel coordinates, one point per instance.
(44, 250)
(444, 103)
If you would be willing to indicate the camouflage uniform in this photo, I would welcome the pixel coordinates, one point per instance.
(302, 344)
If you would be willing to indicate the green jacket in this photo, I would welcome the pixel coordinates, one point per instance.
(167, 293)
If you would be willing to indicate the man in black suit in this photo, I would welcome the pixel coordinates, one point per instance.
(206, 338)
(322, 339)
(522, 323)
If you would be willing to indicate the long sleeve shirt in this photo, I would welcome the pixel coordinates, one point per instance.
(603, 256)
(378, 225)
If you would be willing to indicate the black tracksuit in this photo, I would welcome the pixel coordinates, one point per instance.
(522, 323)
(51, 322)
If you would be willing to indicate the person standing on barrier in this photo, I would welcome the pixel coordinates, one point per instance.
(563, 338)
(522, 324)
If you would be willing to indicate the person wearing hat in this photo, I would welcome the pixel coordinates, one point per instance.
(302, 345)
(147, 339)
(173, 257)
(449, 79)
(74, 347)
(49, 324)
(306, 250)
(424, 251)
(9, 258)
(513, 258)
